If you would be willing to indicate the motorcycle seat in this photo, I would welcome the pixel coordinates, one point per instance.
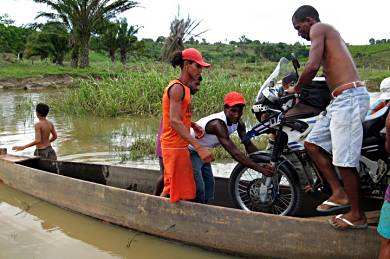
(374, 123)
(302, 111)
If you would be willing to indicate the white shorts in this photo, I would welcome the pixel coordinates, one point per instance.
(339, 129)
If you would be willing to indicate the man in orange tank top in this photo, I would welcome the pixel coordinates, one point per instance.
(179, 182)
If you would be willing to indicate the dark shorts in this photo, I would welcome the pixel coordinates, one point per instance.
(47, 153)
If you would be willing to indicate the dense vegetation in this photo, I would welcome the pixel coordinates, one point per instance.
(135, 85)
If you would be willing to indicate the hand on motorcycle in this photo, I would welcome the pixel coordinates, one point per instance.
(291, 90)
(267, 169)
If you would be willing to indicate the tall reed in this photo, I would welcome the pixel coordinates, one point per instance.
(139, 90)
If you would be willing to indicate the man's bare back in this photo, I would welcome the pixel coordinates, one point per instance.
(337, 63)
(43, 129)
(45, 132)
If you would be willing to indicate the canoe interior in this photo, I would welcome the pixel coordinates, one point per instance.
(135, 179)
(144, 180)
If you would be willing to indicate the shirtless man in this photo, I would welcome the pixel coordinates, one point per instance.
(339, 130)
(43, 129)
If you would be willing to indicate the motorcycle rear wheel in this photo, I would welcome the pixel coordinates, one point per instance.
(284, 199)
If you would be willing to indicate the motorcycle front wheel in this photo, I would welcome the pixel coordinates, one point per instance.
(247, 190)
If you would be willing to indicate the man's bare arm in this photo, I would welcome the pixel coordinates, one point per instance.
(241, 130)
(218, 128)
(176, 93)
(38, 139)
(317, 37)
(53, 133)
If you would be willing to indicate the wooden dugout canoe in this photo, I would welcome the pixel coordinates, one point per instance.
(121, 196)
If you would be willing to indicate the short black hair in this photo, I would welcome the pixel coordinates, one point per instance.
(42, 109)
(306, 11)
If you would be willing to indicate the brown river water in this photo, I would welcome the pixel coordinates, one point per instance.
(31, 228)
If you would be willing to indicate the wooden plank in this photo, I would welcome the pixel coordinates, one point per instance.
(372, 217)
(15, 158)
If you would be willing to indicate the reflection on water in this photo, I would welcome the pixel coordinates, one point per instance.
(75, 135)
(31, 228)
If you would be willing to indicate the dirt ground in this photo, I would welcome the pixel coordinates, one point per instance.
(37, 82)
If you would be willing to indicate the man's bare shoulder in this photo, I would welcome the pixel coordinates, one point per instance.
(323, 27)
(38, 125)
(44, 123)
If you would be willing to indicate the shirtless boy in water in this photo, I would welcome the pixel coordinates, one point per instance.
(43, 129)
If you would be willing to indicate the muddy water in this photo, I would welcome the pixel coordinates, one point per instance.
(30, 228)
(87, 139)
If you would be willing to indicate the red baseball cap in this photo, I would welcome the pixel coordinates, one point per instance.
(194, 55)
(233, 98)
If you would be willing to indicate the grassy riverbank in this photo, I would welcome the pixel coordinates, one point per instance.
(108, 90)
(138, 91)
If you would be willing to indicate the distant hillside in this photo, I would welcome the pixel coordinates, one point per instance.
(374, 56)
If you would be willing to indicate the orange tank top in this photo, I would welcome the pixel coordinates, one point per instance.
(169, 137)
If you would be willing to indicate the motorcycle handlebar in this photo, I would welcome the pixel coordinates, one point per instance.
(286, 98)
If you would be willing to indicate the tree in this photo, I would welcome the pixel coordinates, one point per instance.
(126, 38)
(160, 40)
(83, 17)
(372, 41)
(109, 39)
(51, 40)
(6, 20)
(13, 39)
(180, 29)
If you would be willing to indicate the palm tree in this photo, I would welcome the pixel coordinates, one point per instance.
(126, 38)
(179, 30)
(83, 17)
(51, 40)
(109, 39)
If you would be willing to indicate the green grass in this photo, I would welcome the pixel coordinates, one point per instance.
(110, 90)
(100, 65)
(144, 147)
(139, 90)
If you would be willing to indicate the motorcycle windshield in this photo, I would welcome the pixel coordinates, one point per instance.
(282, 69)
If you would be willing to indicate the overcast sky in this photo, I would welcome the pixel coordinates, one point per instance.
(226, 20)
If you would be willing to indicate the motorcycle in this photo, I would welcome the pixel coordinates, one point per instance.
(295, 173)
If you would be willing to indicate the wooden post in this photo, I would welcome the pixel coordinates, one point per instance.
(3, 151)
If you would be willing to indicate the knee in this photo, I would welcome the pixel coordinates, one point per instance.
(312, 149)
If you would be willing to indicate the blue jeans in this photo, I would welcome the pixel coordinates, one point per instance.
(204, 178)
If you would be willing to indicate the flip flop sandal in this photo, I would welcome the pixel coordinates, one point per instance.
(350, 225)
(334, 206)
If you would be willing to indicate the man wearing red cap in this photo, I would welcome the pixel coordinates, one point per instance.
(218, 127)
(179, 182)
